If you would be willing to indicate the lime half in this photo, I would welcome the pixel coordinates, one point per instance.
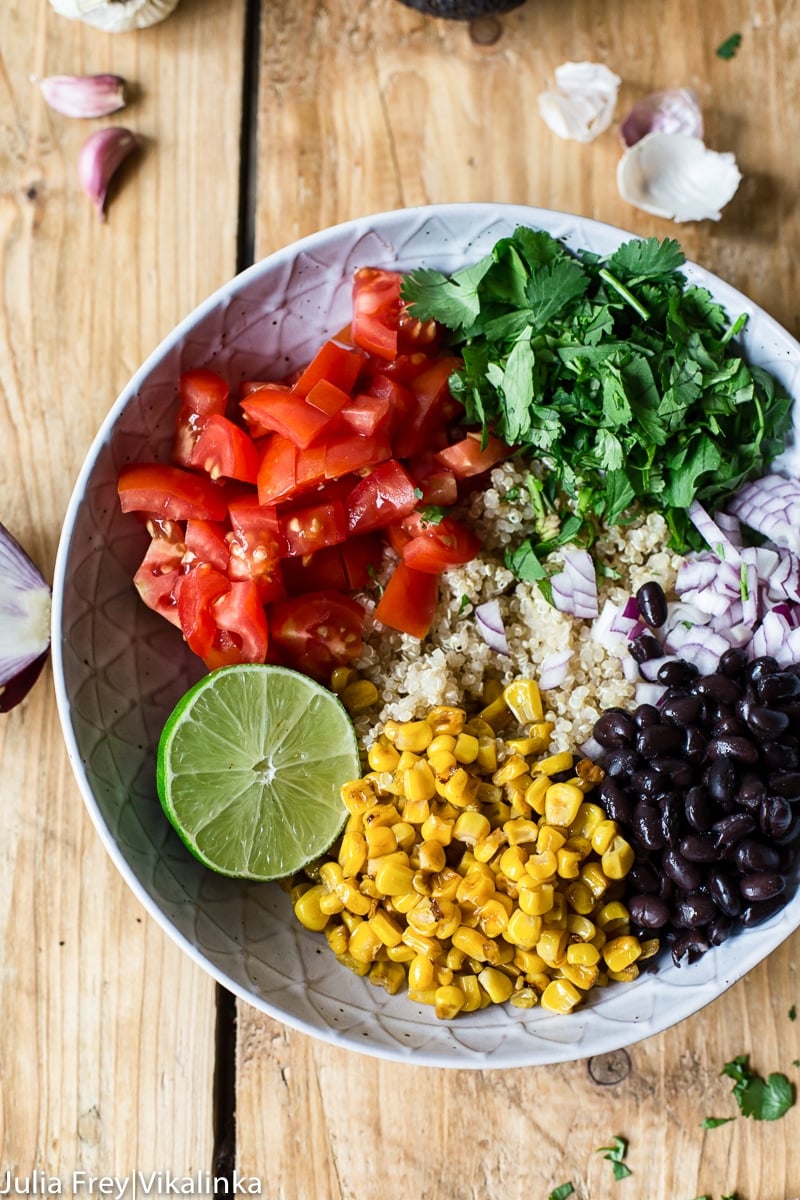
(250, 766)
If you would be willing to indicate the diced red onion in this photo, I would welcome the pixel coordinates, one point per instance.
(649, 693)
(24, 621)
(650, 667)
(575, 588)
(553, 670)
(490, 626)
(716, 538)
(771, 506)
(592, 749)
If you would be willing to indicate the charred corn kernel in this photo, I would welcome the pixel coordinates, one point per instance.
(444, 719)
(405, 835)
(485, 849)
(535, 793)
(526, 997)
(599, 940)
(389, 932)
(540, 733)
(595, 879)
(354, 823)
(437, 829)
(353, 899)
(352, 853)
(460, 788)
(650, 947)
(421, 944)
(521, 830)
(350, 920)
(542, 865)
(529, 962)
(342, 677)
(431, 856)
(492, 690)
(618, 858)
(496, 714)
(497, 985)
(380, 840)
(518, 807)
(393, 878)
(416, 812)
(353, 964)
(475, 944)
(471, 827)
(561, 803)
(448, 1001)
(442, 743)
(513, 766)
(422, 995)
(620, 952)
(445, 884)
(404, 903)
(421, 972)
(466, 748)
(549, 838)
(626, 975)
(603, 834)
(513, 862)
(366, 885)
(400, 954)
(449, 921)
(524, 699)
(337, 937)
(380, 814)
(579, 926)
(491, 798)
(582, 954)
(442, 975)
(487, 753)
(556, 918)
(308, 911)
(560, 996)
(524, 746)
(382, 756)
(364, 944)
(569, 864)
(523, 930)
(418, 782)
(469, 985)
(359, 695)
(536, 900)
(405, 762)
(611, 916)
(331, 904)
(587, 819)
(555, 764)
(552, 946)
(493, 917)
(579, 897)
(583, 975)
(299, 889)
(581, 845)
(475, 888)
(442, 763)
(424, 916)
(391, 976)
(454, 959)
(413, 735)
(359, 795)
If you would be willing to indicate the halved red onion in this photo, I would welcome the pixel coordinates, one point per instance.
(24, 621)
(771, 506)
(490, 626)
(676, 110)
(575, 588)
(553, 670)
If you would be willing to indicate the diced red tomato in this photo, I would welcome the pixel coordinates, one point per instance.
(256, 547)
(384, 496)
(196, 592)
(223, 449)
(376, 308)
(169, 493)
(277, 471)
(281, 411)
(316, 632)
(437, 483)
(367, 414)
(349, 567)
(361, 556)
(327, 397)
(334, 363)
(157, 575)
(409, 601)
(205, 540)
(346, 452)
(203, 392)
(239, 612)
(312, 527)
(434, 408)
(469, 457)
(438, 546)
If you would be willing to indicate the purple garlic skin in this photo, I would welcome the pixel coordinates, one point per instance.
(100, 158)
(84, 96)
(676, 110)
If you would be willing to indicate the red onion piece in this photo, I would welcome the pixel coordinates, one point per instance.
(24, 621)
(771, 506)
(674, 111)
(716, 537)
(490, 626)
(575, 588)
(554, 669)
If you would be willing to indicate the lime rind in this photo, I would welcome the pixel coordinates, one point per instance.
(250, 766)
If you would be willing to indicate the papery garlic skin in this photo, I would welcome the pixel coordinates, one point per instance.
(676, 110)
(101, 156)
(83, 95)
(676, 176)
(116, 16)
(582, 104)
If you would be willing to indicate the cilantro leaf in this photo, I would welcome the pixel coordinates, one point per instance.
(715, 1122)
(728, 48)
(616, 1156)
(763, 1099)
(453, 301)
(431, 514)
(646, 258)
(793, 1013)
(561, 1192)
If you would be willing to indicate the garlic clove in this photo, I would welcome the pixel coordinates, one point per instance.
(582, 104)
(676, 176)
(116, 16)
(676, 110)
(83, 95)
(101, 156)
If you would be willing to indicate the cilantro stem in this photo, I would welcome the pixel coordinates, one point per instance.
(626, 294)
(732, 330)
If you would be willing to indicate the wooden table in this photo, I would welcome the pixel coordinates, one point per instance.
(118, 1054)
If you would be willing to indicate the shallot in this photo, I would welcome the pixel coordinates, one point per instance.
(24, 621)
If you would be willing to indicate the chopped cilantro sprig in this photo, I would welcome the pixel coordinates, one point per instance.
(619, 376)
(763, 1099)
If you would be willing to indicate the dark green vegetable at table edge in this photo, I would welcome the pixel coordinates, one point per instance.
(618, 375)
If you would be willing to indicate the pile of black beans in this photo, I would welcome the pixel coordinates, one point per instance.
(706, 787)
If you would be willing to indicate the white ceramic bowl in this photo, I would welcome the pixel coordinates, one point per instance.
(119, 670)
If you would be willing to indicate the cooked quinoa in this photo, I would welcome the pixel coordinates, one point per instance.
(453, 662)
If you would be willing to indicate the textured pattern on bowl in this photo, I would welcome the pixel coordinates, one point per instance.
(120, 669)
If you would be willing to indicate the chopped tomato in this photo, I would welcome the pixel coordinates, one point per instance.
(347, 452)
(361, 557)
(433, 408)
(409, 601)
(202, 394)
(366, 414)
(196, 592)
(335, 364)
(327, 397)
(280, 410)
(239, 612)
(169, 493)
(157, 575)
(205, 540)
(256, 547)
(437, 483)
(348, 567)
(277, 471)
(223, 449)
(304, 530)
(438, 546)
(316, 632)
(384, 496)
(469, 457)
(376, 308)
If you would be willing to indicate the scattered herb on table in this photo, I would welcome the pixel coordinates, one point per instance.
(715, 1122)
(793, 1013)
(616, 1156)
(615, 373)
(561, 1192)
(728, 48)
(763, 1099)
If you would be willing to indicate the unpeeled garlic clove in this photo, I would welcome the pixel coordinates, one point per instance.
(100, 157)
(676, 176)
(676, 110)
(83, 95)
(116, 16)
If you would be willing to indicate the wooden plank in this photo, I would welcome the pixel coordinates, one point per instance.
(378, 107)
(106, 1027)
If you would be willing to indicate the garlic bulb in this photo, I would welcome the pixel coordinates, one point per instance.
(116, 16)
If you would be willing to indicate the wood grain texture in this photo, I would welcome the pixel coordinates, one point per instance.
(374, 107)
(106, 1028)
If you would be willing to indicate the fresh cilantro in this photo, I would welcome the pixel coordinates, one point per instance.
(431, 515)
(617, 376)
(728, 48)
(715, 1122)
(763, 1099)
(373, 574)
(616, 1156)
(793, 1013)
(512, 494)
(561, 1192)
(418, 492)
(464, 605)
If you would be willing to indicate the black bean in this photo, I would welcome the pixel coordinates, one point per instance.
(695, 744)
(671, 807)
(719, 930)
(645, 647)
(728, 724)
(658, 740)
(622, 762)
(732, 828)
(614, 729)
(684, 874)
(613, 798)
(767, 723)
(694, 910)
(759, 668)
(682, 710)
(699, 847)
(643, 877)
(732, 746)
(752, 791)
(649, 911)
(772, 689)
(722, 779)
(689, 946)
(677, 673)
(648, 782)
(646, 714)
(781, 755)
(762, 886)
(647, 826)
(724, 891)
(787, 784)
(678, 769)
(652, 604)
(733, 662)
(721, 688)
(762, 910)
(792, 833)
(753, 856)
(775, 816)
(699, 807)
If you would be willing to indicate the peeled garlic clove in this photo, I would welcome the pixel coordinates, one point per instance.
(582, 104)
(676, 176)
(676, 110)
(100, 157)
(83, 95)
(116, 16)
